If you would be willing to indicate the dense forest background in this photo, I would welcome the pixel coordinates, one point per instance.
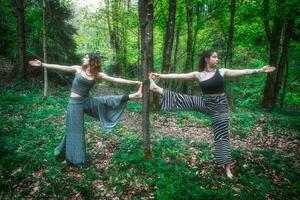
(245, 34)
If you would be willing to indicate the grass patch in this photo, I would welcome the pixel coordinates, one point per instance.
(31, 127)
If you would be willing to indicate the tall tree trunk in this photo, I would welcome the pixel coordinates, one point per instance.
(125, 36)
(146, 24)
(168, 45)
(45, 49)
(177, 34)
(139, 46)
(107, 11)
(128, 5)
(169, 37)
(230, 49)
(117, 35)
(21, 37)
(197, 10)
(284, 84)
(124, 48)
(112, 10)
(283, 59)
(173, 68)
(189, 44)
(269, 98)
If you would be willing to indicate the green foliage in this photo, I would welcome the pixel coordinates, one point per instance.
(247, 112)
(168, 172)
(241, 122)
(60, 43)
(32, 126)
(8, 29)
(260, 171)
(180, 169)
(278, 122)
(134, 106)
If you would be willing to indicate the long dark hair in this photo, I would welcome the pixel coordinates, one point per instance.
(202, 56)
(95, 65)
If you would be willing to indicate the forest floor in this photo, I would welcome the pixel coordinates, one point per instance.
(265, 145)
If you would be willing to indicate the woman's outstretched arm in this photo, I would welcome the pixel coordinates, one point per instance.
(37, 63)
(105, 77)
(186, 76)
(243, 72)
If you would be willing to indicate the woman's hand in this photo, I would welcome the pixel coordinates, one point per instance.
(154, 76)
(35, 63)
(268, 69)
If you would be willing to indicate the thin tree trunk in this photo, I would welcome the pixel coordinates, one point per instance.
(196, 33)
(113, 20)
(189, 44)
(269, 98)
(283, 58)
(124, 48)
(21, 37)
(169, 37)
(139, 46)
(173, 69)
(128, 5)
(125, 36)
(107, 11)
(284, 84)
(168, 45)
(230, 49)
(146, 24)
(45, 50)
(116, 35)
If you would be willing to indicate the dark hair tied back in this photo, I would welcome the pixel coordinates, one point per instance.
(202, 56)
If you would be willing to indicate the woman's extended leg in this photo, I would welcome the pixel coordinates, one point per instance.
(172, 101)
(155, 88)
(108, 109)
(138, 94)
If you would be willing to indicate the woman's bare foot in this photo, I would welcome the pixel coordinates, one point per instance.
(228, 172)
(138, 94)
(153, 87)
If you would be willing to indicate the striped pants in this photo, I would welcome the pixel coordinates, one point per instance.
(214, 106)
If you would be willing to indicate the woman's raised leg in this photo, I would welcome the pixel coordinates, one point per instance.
(173, 101)
(138, 94)
(155, 88)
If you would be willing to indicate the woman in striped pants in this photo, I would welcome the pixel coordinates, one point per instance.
(213, 102)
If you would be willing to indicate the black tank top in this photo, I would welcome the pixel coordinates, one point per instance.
(81, 85)
(214, 85)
